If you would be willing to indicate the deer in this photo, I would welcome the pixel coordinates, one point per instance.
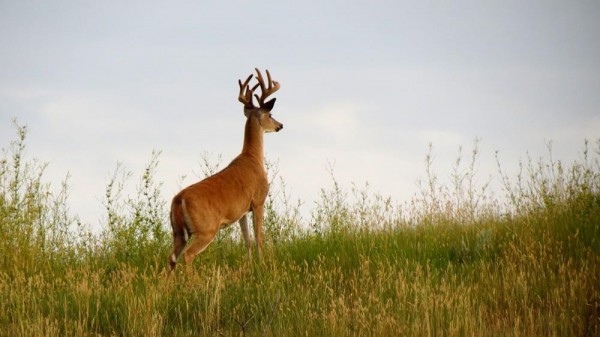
(200, 210)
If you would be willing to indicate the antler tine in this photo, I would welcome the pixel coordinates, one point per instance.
(266, 90)
(245, 95)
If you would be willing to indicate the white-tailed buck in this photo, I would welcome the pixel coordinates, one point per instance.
(202, 209)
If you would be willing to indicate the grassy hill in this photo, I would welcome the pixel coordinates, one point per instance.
(453, 262)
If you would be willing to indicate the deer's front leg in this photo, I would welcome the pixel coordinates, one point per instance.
(244, 226)
(257, 220)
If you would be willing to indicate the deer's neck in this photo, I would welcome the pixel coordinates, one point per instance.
(253, 139)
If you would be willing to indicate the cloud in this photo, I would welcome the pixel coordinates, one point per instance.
(440, 137)
(339, 121)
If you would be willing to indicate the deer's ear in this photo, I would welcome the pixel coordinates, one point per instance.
(269, 104)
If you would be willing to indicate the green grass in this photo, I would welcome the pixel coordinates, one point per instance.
(452, 262)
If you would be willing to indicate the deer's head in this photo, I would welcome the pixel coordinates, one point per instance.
(263, 110)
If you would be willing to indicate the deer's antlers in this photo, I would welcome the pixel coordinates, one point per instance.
(246, 92)
(266, 91)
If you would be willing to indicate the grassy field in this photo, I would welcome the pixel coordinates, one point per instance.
(454, 261)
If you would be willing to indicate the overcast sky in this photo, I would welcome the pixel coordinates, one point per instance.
(365, 86)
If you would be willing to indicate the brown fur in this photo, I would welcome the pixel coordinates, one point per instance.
(202, 209)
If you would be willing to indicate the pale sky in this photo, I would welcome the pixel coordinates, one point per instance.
(365, 86)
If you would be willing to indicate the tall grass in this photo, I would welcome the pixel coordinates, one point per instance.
(456, 260)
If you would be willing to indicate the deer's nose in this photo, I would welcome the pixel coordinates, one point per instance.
(279, 127)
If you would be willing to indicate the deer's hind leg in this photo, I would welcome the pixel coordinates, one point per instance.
(202, 227)
(179, 242)
(180, 232)
(199, 243)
